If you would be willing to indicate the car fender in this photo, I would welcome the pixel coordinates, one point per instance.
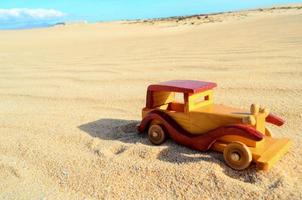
(201, 141)
(274, 119)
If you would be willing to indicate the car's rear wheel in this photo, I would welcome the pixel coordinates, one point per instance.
(156, 134)
(237, 155)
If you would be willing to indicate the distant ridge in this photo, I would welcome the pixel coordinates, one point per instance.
(179, 18)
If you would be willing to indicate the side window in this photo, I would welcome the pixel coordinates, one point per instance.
(178, 103)
(179, 98)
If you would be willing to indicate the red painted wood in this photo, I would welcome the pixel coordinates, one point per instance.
(203, 141)
(149, 98)
(185, 86)
(274, 119)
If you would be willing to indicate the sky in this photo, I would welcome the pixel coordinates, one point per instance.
(15, 14)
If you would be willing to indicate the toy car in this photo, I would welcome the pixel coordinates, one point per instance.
(184, 111)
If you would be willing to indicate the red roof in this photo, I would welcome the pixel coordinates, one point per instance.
(185, 86)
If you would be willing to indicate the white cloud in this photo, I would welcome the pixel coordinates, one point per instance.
(26, 14)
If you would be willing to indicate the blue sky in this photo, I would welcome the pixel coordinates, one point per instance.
(32, 13)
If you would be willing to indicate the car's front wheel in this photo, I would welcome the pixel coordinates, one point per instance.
(156, 134)
(237, 155)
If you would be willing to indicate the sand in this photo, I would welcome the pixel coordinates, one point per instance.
(70, 97)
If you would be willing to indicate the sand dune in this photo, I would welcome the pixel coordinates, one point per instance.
(70, 97)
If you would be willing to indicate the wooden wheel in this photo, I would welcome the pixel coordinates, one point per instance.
(237, 155)
(156, 134)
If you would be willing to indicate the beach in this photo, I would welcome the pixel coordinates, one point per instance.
(71, 96)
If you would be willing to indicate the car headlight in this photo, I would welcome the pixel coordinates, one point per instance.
(249, 120)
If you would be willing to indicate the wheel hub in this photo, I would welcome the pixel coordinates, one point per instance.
(154, 134)
(235, 156)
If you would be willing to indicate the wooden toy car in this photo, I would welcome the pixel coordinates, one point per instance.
(184, 111)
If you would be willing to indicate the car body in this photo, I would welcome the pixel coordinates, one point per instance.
(184, 110)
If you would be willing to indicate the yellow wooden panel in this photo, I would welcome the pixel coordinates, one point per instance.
(202, 122)
(260, 122)
(181, 118)
(200, 100)
(273, 152)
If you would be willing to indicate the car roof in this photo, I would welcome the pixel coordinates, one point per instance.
(185, 86)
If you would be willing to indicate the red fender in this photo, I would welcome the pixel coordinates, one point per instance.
(202, 141)
(274, 119)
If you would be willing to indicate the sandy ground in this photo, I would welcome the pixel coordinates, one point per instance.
(70, 97)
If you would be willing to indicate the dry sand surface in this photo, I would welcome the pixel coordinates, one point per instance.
(70, 97)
